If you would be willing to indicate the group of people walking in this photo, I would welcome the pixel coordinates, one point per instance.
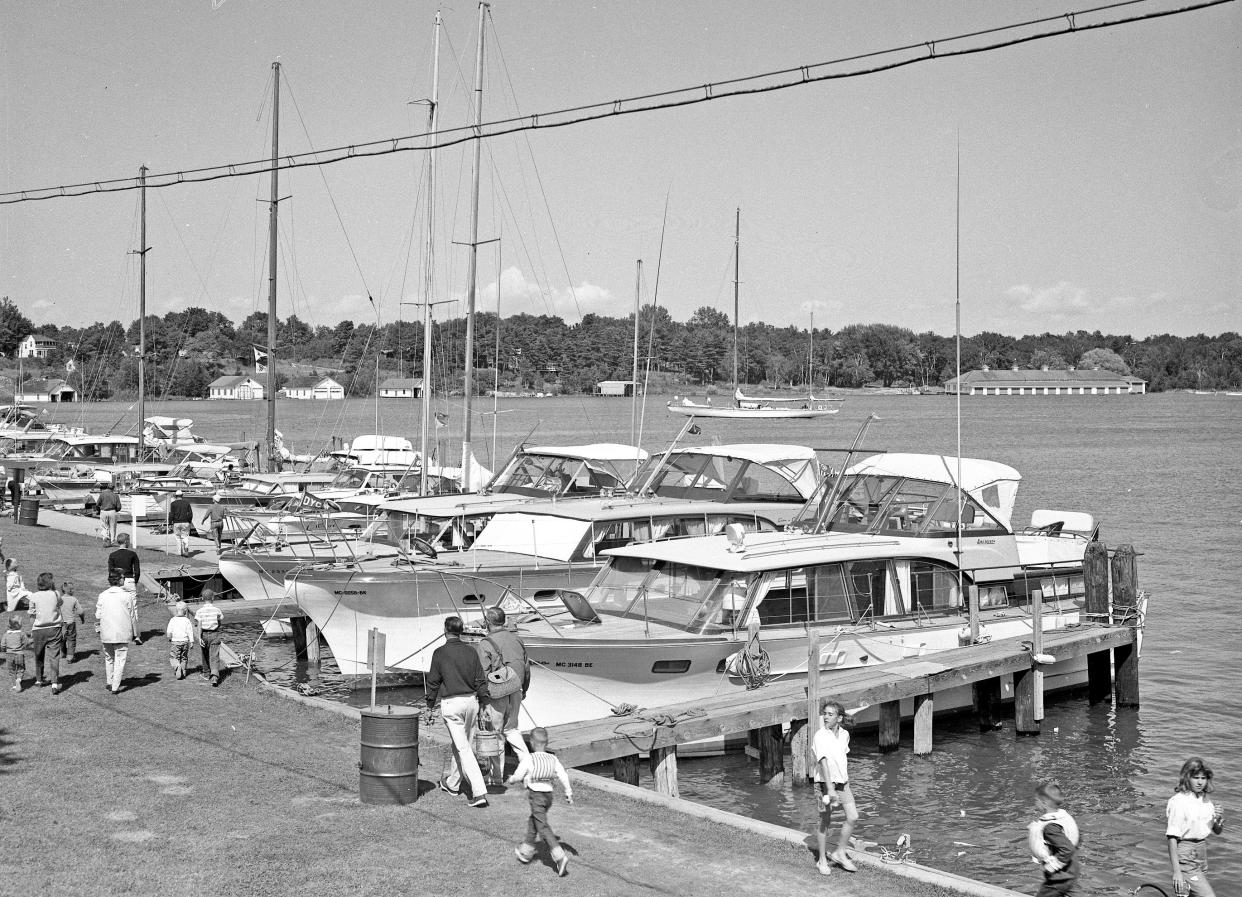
(482, 686)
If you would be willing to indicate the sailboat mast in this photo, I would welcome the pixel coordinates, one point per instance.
(142, 314)
(429, 282)
(472, 274)
(737, 240)
(638, 291)
(273, 455)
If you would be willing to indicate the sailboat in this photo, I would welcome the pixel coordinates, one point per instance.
(754, 407)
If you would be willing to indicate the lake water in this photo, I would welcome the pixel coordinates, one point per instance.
(1158, 471)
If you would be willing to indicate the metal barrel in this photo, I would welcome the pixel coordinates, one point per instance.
(388, 770)
(28, 512)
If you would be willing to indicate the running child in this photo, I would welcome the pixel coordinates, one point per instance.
(1054, 839)
(538, 769)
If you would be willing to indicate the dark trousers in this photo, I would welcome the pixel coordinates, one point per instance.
(47, 650)
(537, 825)
(1058, 888)
(69, 647)
(211, 653)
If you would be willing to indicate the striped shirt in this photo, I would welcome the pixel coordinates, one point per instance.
(208, 617)
(537, 769)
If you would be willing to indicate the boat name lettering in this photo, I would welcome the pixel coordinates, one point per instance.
(349, 592)
(565, 664)
(985, 541)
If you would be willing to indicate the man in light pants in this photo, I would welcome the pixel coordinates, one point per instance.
(116, 620)
(457, 682)
(502, 646)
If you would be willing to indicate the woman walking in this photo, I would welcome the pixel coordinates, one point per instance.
(1192, 817)
(47, 631)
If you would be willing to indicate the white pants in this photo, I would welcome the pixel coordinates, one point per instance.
(503, 713)
(459, 715)
(114, 662)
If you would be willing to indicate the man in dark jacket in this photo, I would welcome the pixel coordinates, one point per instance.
(125, 559)
(181, 516)
(456, 684)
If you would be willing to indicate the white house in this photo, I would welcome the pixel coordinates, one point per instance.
(35, 346)
(617, 388)
(321, 388)
(401, 388)
(45, 390)
(238, 386)
(1044, 382)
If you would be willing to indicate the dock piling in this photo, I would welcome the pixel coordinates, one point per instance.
(1025, 683)
(625, 769)
(1095, 610)
(664, 769)
(890, 726)
(771, 755)
(987, 697)
(801, 756)
(924, 708)
(1126, 610)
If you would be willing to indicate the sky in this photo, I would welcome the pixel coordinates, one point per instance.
(1101, 171)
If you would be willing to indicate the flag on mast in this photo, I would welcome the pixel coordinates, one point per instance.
(260, 361)
(70, 367)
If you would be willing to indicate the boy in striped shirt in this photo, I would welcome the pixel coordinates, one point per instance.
(537, 770)
(208, 618)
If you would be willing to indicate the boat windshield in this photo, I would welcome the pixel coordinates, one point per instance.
(895, 506)
(679, 595)
(717, 478)
(353, 478)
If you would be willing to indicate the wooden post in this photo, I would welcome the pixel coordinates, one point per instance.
(799, 749)
(806, 772)
(987, 696)
(664, 769)
(1024, 685)
(1095, 610)
(1125, 610)
(298, 624)
(625, 769)
(890, 726)
(924, 707)
(312, 643)
(771, 756)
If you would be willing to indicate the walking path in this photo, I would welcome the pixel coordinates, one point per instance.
(176, 787)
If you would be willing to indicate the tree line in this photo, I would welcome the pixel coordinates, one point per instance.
(186, 350)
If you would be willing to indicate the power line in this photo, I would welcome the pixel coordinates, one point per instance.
(911, 54)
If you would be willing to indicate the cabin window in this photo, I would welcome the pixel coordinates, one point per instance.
(863, 502)
(935, 587)
(874, 589)
(912, 507)
(829, 595)
(614, 534)
(760, 483)
(785, 599)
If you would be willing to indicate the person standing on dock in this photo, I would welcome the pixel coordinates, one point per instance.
(109, 508)
(215, 514)
(1053, 839)
(457, 685)
(181, 516)
(502, 648)
(116, 621)
(208, 618)
(1192, 817)
(538, 769)
(125, 559)
(832, 746)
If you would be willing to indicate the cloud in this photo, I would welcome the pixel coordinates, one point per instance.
(518, 295)
(1064, 300)
(42, 305)
(817, 305)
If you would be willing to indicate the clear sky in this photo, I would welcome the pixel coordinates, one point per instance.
(1100, 170)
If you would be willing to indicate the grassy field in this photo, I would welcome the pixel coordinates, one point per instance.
(176, 788)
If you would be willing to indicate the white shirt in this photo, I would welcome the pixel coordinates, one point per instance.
(833, 747)
(180, 630)
(1190, 819)
(117, 615)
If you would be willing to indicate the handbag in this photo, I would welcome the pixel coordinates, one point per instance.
(502, 681)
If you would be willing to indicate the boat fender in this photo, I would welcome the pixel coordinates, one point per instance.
(1043, 658)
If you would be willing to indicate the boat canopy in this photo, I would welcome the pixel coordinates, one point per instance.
(542, 471)
(736, 472)
(595, 451)
(538, 535)
(992, 484)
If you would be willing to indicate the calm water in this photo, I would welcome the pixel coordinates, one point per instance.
(1158, 471)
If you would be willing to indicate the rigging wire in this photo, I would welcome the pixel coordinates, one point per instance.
(784, 79)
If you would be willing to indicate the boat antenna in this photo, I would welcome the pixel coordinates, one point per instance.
(142, 313)
(429, 271)
(973, 606)
(638, 295)
(737, 248)
(273, 455)
(655, 303)
(467, 456)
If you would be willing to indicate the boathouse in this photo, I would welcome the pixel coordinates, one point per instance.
(401, 388)
(316, 388)
(236, 386)
(617, 388)
(1071, 382)
(45, 390)
(35, 346)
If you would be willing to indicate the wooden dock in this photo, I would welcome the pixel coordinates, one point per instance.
(1108, 642)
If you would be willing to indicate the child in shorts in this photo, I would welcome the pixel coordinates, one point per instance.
(538, 769)
(831, 746)
(15, 642)
(180, 634)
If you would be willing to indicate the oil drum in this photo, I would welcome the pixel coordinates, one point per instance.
(388, 770)
(28, 512)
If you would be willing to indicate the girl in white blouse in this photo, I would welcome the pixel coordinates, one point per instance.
(1192, 817)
